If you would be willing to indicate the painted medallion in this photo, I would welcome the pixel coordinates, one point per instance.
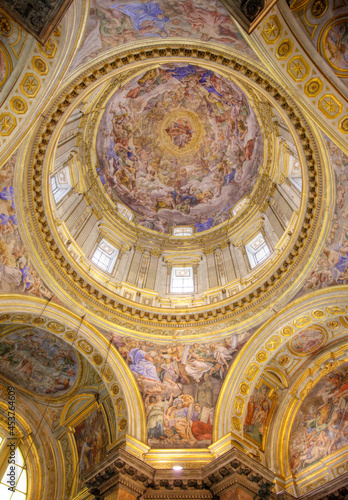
(336, 45)
(307, 341)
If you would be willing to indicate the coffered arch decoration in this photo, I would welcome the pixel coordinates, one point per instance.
(57, 258)
(30, 71)
(288, 41)
(277, 369)
(126, 408)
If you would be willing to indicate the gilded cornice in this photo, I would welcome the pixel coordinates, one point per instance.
(115, 309)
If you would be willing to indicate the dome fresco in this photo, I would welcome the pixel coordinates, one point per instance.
(179, 145)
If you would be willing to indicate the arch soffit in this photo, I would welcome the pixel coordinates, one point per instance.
(264, 346)
(287, 47)
(54, 58)
(106, 360)
(277, 447)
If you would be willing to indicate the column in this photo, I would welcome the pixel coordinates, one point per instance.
(151, 275)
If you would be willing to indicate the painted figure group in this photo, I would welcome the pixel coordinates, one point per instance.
(212, 120)
(332, 266)
(321, 425)
(16, 272)
(258, 411)
(180, 385)
(111, 24)
(41, 363)
(91, 438)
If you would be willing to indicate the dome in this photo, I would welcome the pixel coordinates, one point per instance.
(179, 145)
(174, 250)
(176, 187)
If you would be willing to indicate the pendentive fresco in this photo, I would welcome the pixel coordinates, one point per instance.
(332, 265)
(180, 385)
(110, 25)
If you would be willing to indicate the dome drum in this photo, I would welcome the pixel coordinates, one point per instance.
(272, 205)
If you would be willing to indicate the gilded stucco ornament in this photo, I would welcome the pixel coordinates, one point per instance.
(7, 124)
(272, 30)
(343, 125)
(313, 87)
(298, 68)
(105, 306)
(18, 105)
(308, 354)
(5, 26)
(305, 67)
(330, 106)
(284, 49)
(39, 65)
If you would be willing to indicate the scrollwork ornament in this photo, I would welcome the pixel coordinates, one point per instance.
(283, 360)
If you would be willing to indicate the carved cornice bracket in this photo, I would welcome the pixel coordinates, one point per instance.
(230, 471)
(120, 468)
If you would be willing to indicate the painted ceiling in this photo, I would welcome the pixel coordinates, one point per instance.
(39, 362)
(180, 383)
(321, 424)
(110, 25)
(179, 145)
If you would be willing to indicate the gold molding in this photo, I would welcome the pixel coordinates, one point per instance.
(74, 278)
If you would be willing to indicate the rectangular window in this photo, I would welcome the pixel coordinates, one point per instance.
(60, 184)
(182, 280)
(182, 231)
(257, 250)
(105, 256)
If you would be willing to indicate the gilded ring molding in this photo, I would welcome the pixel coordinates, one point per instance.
(100, 201)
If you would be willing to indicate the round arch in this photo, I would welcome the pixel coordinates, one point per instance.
(91, 344)
(264, 347)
